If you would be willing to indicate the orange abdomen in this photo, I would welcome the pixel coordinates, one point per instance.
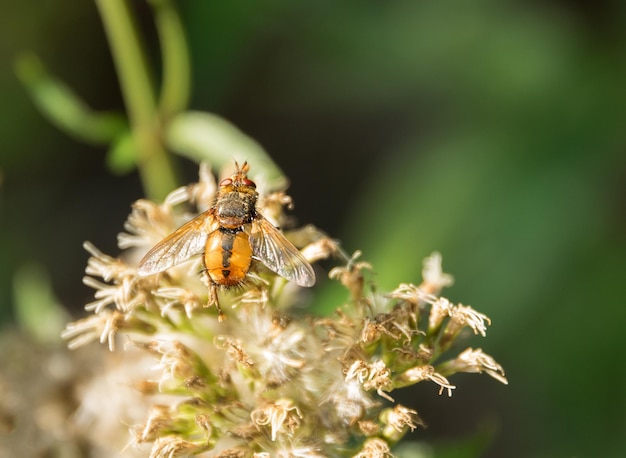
(227, 257)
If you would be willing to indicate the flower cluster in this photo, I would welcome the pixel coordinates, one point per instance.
(267, 381)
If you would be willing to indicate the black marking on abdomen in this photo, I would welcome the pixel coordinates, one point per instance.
(228, 240)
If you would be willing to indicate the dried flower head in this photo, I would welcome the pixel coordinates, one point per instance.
(267, 382)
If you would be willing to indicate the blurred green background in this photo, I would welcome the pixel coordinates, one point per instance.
(491, 131)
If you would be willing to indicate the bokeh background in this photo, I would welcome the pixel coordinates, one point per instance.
(491, 131)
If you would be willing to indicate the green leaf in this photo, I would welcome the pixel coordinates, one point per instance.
(36, 308)
(63, 107)
(205, 137)
(122, 158)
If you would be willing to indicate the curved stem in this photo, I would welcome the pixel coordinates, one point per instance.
(175, 87)
(154, 165)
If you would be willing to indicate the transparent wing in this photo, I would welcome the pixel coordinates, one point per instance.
(185, 242)
(279, 254)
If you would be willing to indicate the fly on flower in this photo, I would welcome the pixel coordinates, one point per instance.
(230, 235)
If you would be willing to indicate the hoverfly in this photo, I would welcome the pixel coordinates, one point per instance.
(230, 235)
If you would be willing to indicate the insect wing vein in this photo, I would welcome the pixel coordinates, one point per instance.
(279, 254)
(187, 241)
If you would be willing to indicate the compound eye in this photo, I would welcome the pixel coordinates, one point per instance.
(250, 183)
(226, 182)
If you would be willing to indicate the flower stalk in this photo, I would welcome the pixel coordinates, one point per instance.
(137, 89)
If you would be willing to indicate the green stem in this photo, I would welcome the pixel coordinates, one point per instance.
(175, 87)
(154, 165)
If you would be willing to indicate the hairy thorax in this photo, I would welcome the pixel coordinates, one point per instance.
(235, 209)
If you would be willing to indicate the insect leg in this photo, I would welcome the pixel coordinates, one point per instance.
(212, 299)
